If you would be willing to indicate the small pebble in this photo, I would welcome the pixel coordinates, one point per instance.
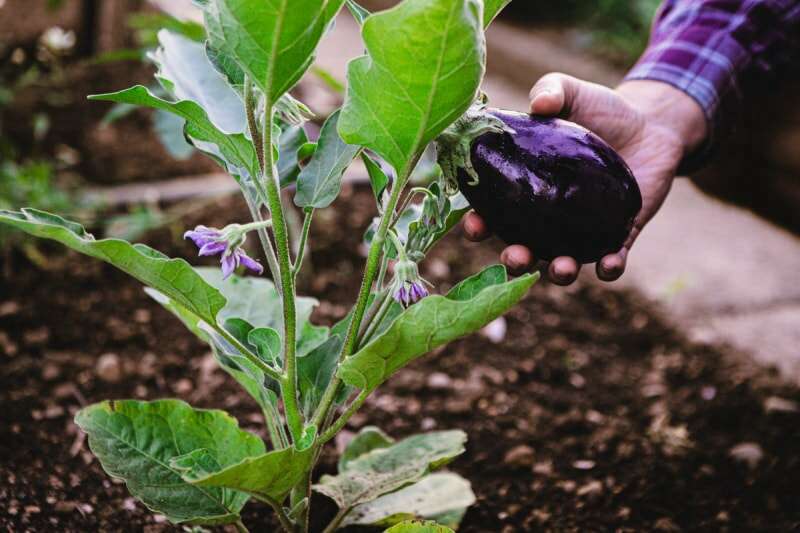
(750, 453)
(774, 404)
(584, 464)
(109, 368)
(439, 380)
(496, 330)
(708, 393)
(591, 490)
(519, 456)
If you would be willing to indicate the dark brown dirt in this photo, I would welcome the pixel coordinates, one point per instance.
(592, 415)
(127, 150)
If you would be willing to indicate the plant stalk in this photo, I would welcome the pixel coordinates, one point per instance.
(272, 189)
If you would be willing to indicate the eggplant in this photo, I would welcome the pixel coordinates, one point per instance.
(552, 186)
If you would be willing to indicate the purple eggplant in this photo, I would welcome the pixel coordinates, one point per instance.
(552, 186)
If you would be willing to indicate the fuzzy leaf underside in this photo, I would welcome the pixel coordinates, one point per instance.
(437, 496)
(387, 469)
(185, 70)
(433, 322)
(424, 63)
(172, 277)
(138, 441)
(368, 438)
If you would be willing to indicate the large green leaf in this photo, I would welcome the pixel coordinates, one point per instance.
(437, 496)
(272, 40)
(185, 70)
(271, 475)
(172, 277)
(434, 321)
(236, 150)
(415, 526)
(137, 441)
(492, 8)
(320, 181)
(425, 61)
(385, 470)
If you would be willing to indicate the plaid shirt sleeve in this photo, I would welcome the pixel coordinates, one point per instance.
(714, 49)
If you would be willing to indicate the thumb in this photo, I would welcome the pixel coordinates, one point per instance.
(554, 94)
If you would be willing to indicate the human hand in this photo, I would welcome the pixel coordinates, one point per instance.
(651, 124)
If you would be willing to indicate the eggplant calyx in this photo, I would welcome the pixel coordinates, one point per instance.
(454, 145)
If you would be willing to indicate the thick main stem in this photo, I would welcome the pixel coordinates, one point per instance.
(273, 196)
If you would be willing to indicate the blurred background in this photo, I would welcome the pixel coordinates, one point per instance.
(709, 307)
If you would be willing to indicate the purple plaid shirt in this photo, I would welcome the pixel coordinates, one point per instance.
(713, 50)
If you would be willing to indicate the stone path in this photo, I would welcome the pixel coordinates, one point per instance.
(720, 272)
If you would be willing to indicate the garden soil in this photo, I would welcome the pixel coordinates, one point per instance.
(591, 413)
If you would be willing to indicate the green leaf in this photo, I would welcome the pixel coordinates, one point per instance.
(368, 439)
(236, 150)
(271, 475)
(385, 470)
(136, 442)
(359, 13)
(273, 41)
(473, 285)
(267, 343)
(186, 72)
(415, 526)
(172, 277)
(255, 300)
(292, 140)
(320, 181)
(425, 61)
(377, 177)
(437, 496)
(434, 321)
(492, 8)
(315, 371)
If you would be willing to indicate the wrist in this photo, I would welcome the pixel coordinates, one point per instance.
(668, 108)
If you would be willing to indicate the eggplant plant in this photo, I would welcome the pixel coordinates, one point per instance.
(421, 71)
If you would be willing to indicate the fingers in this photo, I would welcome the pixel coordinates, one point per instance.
(563, 271)
(553, 94)
(611, 267)
(517, 258)
(475, 228)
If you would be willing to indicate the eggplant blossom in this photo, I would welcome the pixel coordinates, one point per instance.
(226, 243)
(408, 287)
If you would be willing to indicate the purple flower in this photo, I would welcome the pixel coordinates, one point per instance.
(232, 260)
(202, 236)
(410, 293)
(212, 241)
